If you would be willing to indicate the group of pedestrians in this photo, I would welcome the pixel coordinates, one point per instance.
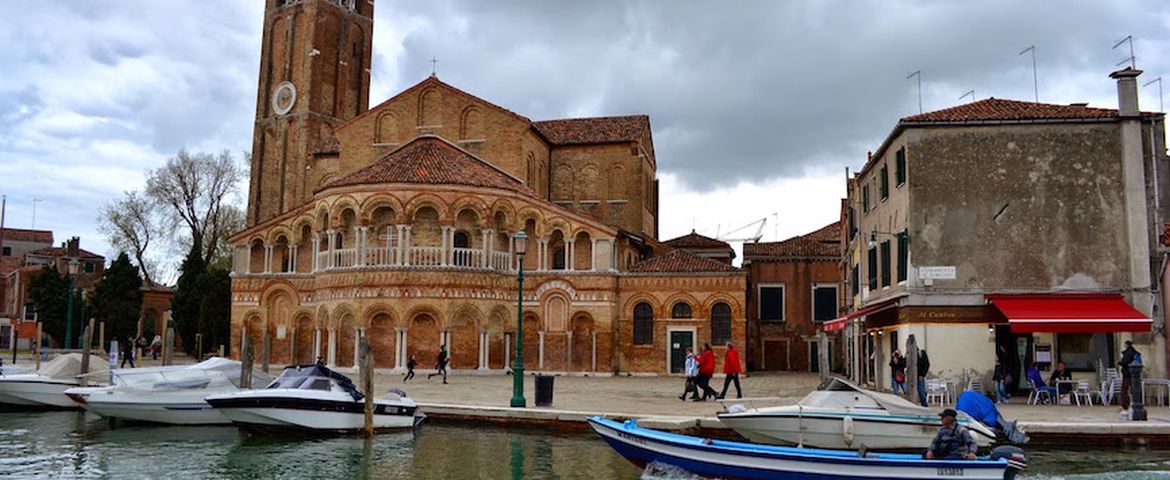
(898, 374)
(441, 363)
(700, 367)
(129, 349)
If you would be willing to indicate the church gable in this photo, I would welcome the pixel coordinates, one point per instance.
(432, 107)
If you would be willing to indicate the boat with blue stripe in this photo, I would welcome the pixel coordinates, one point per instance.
(740, 460)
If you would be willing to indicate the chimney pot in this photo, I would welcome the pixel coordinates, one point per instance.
(1127, 91)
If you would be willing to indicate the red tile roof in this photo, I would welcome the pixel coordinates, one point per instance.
(681, 261)
(431, 160)
(580, 131)
(60, 252)
(24, 235)
(694, 240)
(997, 109)
(822, 243)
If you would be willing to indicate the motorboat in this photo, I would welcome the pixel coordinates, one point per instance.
(725, 459)
(46, 388)
(171, 395)
(842, 415)
(313, 398)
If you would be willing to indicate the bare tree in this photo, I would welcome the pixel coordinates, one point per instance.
(198, 190)
(132, 223)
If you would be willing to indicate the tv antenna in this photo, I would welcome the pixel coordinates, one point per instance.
(759, 232)
(34, 219)
(918, 73)
(1159, 82)
(1132, 59)
(1035, 83)
(969, 92)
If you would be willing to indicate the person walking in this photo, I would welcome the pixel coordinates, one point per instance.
(706, 371)
(1129, 356)
(140, 346)
(410, 364)
(156, 346)
(1000, 376)
(440, 364)
(923, 369)
(731, 371)
(897, 372)
(691, 370)
(127, 353)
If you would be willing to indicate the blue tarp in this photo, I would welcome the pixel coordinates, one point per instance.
(979, 407)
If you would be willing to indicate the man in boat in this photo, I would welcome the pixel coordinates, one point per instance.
(953, 441)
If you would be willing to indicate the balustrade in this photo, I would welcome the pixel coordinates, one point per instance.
(426, 256)
(467, 257)
(345, 258)
(380, 256)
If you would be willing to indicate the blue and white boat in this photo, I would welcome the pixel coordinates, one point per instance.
(725, 459)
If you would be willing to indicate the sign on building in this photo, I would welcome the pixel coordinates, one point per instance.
(936, 273)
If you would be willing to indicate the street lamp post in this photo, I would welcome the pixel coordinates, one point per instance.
(518, 367)
(73, 264)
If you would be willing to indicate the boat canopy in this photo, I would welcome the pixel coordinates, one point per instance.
(214, 372)
(315, 377)
(840, 393)
(68, 366)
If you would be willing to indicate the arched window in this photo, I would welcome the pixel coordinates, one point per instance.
(461, 241)
(643, 324)
(681, 310)
(559, 259)
(720, 323)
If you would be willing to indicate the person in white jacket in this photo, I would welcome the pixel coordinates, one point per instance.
(691, 370)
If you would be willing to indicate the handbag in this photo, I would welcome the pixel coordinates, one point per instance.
(900, 378)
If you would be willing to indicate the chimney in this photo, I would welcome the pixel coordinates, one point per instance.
(1127, 91)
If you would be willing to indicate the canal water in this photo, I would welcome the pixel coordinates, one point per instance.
(77, 445)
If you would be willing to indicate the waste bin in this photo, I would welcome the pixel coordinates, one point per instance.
(544, 390)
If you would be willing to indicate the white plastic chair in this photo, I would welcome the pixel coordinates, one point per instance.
(1038, 396)
(936, 392)
(1082, 391)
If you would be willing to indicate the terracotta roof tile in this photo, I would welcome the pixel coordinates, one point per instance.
(24, 235)
(694, 240)
(431, 160)
(825, 242)
(579, 131)
(681, 261)
(997, 109)
(60, 252)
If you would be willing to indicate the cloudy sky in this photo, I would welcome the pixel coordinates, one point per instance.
(757, 107)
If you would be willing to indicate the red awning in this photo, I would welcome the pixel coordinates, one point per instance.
(1070, 313)
(840, 322)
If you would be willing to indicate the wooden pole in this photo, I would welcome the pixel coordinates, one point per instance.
(246, 365)
(823, 358)
(88, 335)
(220, 351)
(169, 346)
(37, 346)
(198, 347)
(912, 369)
(367, 374)
(265, 349)
(102, 337)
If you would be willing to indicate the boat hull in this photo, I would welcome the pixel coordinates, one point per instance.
(747, 461)
(257, 412)
(828, 429)
(35, 391)
(170, 413)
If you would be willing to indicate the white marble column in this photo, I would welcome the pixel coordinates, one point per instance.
(292, 258)
(268, 249)
(443, 249)
(487, 248)
(569, 350)
(483, 350)
(513, 260)
(330, 260)
(358, 333)
(570, 254)
(316, 343)
(400, 351)
(542, 252)
(363, 233)
(595, 350)
(540, 364)
(316, 251)
(331, 360)
(508, 351)
(406, 240)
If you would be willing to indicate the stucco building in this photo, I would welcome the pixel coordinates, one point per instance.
(794, 286)
(397, 222)
(999, 224)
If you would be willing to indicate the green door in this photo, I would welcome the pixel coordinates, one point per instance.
(679, 342)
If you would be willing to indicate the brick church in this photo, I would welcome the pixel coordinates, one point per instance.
(398, 223)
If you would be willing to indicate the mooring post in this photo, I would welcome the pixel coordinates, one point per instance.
(37, 346)
(88, 336)
(246, 365)
(198, 347)
(102, 337)
(169, 346)
(367, 374)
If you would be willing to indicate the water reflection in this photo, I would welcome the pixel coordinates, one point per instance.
(70, 444)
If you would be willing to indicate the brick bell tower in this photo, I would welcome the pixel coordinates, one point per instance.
(314, 74)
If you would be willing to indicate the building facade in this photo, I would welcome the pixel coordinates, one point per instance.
(399, 223)
(964, 213)
(794, 286)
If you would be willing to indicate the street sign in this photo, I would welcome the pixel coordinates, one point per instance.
(936, 273)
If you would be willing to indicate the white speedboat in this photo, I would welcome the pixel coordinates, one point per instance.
(317, 399)
(171, 395)
(841, 415)
(46, 388)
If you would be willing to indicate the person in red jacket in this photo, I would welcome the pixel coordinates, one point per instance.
(731, 371)
(706, 371)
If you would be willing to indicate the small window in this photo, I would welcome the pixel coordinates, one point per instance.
(865, 199)
(1080, 351)
(643, 324)
(7, 251)
(681, 310)
(320, 384)
(871, 268)
(884, 182)
(89, 267)
(903, 255)
(855, 280)
(824, 303)
(852, 214)
(886, 263)
(900, 167)
(720, 323)
(559, 259)
(772, 303)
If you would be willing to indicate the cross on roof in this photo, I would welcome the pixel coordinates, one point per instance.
(434, 63)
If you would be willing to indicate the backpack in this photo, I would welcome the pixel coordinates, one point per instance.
(1137, 359)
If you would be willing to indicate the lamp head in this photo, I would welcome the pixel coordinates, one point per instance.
(521, 243)
(873, 239)
(73, 264)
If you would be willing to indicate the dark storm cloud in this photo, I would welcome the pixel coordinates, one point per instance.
(744, 90)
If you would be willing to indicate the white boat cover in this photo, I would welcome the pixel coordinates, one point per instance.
(213, 372)
(68, 366)
(838, 393)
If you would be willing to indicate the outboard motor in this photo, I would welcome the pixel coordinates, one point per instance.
(1016, 458)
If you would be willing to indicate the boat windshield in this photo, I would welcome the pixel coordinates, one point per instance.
(315, 377)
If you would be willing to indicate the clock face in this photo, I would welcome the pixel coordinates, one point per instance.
(283, 98)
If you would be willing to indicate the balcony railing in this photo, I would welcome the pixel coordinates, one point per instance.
(426, 256)
(393, 257)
